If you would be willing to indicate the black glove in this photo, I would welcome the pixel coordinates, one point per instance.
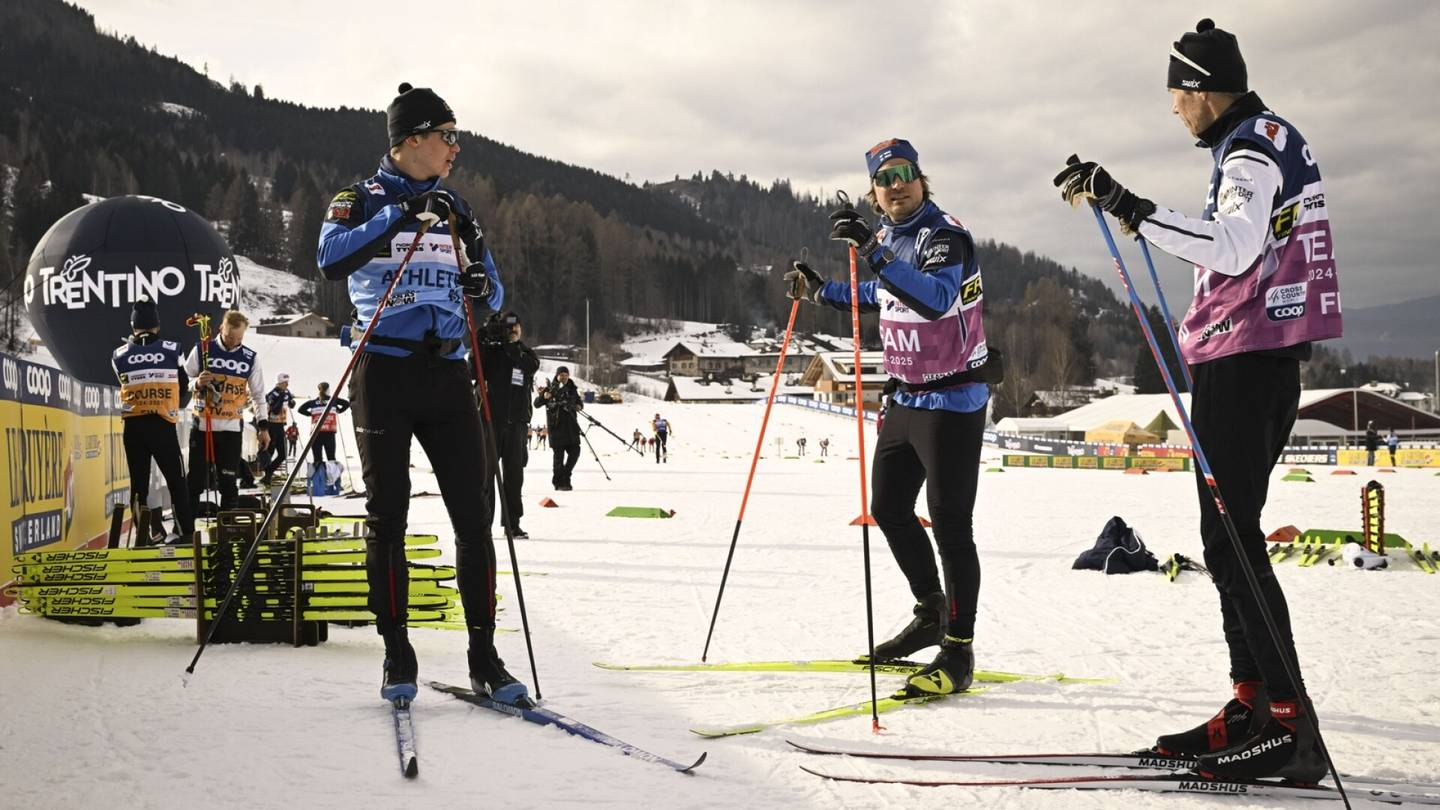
(471, 237)
(846, 225)
(1082, 182)
(475, 282)
(802, 283)
(438, 202)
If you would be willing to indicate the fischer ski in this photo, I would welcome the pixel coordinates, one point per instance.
(1157, 783)
(545, 717)
(405, 737)
(882, 706)
(897, 667)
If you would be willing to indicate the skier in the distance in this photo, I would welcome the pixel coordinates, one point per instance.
(412, 379)
(277, 414)
(661, 427)
(1266, 288)
(928, 293)
(326, 430)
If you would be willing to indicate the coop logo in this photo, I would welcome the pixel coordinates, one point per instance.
(146, 357)
(78, 284)
(230, 364)
(10, 375)
(1286, 302)
(39, 382)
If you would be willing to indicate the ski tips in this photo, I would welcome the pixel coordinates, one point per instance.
(690, 771)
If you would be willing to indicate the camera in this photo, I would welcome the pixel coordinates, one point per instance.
(498, 328)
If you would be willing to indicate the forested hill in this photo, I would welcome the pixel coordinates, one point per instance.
(88, 112)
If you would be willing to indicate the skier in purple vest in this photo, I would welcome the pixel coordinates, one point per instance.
(927, 289)
(1266, 288)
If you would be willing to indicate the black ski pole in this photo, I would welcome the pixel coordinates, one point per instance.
(493, 454)
(426, 220)
(1214, 489)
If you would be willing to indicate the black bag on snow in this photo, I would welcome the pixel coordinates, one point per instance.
(1118, 550)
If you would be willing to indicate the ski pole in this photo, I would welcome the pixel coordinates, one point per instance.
(1165, 311)
(754, 460)
(492, 452)
(202, 321)
(1214, 488)
(864, 493)
(426, 219)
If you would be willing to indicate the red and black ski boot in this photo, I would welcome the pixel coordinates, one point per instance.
(1285, 748)
(1239, 720)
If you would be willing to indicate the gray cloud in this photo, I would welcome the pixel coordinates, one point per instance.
(995, 96)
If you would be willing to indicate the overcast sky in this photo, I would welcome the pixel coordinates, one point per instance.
(994, 95)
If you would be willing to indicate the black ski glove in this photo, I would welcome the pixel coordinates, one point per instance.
(1082, 182)
(437, 202)
(846, 225)
(475, 282)
(802, 283)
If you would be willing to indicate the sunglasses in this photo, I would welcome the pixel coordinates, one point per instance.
(449, 136)
(904, 172)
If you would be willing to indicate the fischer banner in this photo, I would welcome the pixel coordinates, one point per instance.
(64, 461)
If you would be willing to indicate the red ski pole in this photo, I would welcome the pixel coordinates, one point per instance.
(755, 459)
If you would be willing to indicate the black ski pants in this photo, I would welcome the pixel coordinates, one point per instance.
(565, 457)
(227, 466)
(1243, 409)
(432, 400)
(276, 450)
(153, 437)
(514, 448)
(941, 450)
(325, 441)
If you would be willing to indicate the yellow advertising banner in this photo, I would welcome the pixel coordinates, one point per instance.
(64, 461)
(1404, 457)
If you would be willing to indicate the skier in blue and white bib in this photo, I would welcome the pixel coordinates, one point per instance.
(412, 380)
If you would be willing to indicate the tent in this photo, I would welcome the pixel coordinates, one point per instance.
(1161, 425)
(1120, 431)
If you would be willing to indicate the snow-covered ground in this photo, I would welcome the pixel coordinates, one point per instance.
(99, 716)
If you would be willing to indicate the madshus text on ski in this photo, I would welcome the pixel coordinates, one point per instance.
(427, 291)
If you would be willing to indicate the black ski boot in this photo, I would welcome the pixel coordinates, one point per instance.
(926, 630)
(953, 670)
(1285, 748)
(1240, 719)
(400, 668)
(489, 677)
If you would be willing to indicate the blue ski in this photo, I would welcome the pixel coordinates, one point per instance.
(545, 717)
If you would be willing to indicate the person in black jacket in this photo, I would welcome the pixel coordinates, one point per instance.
(510, 368)
(561, 399)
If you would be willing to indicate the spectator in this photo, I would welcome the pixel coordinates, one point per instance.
(561, 400)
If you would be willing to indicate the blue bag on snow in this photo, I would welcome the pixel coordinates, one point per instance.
(1118, 550)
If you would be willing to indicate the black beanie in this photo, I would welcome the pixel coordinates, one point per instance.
(415, 110)
(1207, 60)
(144, 314)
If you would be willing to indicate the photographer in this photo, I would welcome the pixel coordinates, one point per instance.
(561, 399)
(510, 368)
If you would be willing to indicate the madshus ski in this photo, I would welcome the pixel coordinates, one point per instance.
(1156, 783)
(545, 717)
(405, 737)
(1137, 760)
(883, 705)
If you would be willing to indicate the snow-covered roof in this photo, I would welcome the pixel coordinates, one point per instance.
(690, 389)
(841, 366)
